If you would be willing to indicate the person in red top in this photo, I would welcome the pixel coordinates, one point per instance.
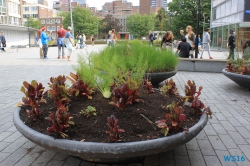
(39, 41)
(60, 37)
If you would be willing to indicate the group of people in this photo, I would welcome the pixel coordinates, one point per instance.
(186, 43)
(81, 41)
(64, 38)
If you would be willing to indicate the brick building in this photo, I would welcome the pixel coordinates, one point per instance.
(36, 11)
(60, 6)
(119, 7)
(152, 6)
(52, 25)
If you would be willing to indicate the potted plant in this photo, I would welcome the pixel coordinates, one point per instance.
(238, 70)
(135, 120)
(160, 64)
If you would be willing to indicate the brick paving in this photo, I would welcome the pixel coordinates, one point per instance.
(228, 133)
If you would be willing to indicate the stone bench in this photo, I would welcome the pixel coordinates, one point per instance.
(201, 65)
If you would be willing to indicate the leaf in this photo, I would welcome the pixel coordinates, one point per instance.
(43, 101)
(161, 121)
(23, 89)
(165, 131)
(19, 104)
(71, 122)
(182, 117)
(34, 84)
(26, 84)
(121, 131)
(174, 123)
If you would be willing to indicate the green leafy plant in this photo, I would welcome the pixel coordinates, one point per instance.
(169, 88)
(33, 97)
(173, 119)
(79, 87)
(114, 130)
(88, 111)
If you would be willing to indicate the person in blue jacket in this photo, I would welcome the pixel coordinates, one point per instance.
(44, 40)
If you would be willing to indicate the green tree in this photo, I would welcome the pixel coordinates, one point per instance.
(33, 23)
(161, 20)
(83, 21)
(185, 13)
(139, 25)
(110, 22)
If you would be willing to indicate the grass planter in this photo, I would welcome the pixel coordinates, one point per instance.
(109, 152)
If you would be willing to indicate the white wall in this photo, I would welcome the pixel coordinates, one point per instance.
(18, 37)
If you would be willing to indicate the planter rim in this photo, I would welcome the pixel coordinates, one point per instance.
(109, 150)
(232, 73)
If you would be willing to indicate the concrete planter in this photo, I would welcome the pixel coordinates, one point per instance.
(157, 78)
(242, 80)
(109, 152)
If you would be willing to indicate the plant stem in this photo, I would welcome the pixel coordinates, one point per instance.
(149, 121)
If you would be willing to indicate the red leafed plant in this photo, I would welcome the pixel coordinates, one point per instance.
(79, 87)
(192, 96)
(33, 96)
(244, 69)
(169, 88)
(125, 92)
(60, 119)
(230, 66)
(114, 130)
(148, 85)
(173, 119)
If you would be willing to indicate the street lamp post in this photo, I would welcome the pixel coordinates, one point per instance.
(71, 19)
(56, 29)
(28, 29)
(197, 29)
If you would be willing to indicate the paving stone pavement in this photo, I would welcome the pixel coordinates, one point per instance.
(227, 134)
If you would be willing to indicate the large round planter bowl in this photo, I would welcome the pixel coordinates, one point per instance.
(157, 78)
(242, 80)
(109, 152)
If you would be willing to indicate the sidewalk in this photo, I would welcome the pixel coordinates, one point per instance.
(227, 134)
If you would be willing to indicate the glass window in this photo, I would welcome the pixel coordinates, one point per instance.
(223, 10)
(43, 21)
(58, 21)
(26, 8)
(47, 21)
(52, 21)
(218, 12)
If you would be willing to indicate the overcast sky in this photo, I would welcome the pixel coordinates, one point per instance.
(100, 3)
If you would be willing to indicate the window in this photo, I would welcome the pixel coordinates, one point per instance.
(47, 21)
(53, 21)
(26, 8)
(214, 14)
(58, 21)
(43, 21)
(34, 8)
(49, 28)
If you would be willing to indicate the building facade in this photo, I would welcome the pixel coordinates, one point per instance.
(152, 6)
(52, 25)
(80, 1)
(36, 11)
(226, 15)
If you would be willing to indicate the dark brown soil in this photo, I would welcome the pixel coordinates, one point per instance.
(93, 129)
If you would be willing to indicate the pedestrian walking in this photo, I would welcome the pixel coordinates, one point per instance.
(151, 38)
(184, 48)
(231, 44)
(3, 41)
(246, 50)
(44, 40)
(69, 42)
(108, 38)
(84, 40)
(205, 43)
(190, 36)
(167, 40)
(92, 40)
(60, 38)
(113, 37)
(40, 42)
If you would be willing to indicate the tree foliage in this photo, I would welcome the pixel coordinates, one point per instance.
(33, 23)
(139, 25)
(161, 20)
(185, 13)
(109, 23)
(83, 21)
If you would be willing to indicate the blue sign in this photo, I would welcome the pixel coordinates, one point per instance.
(247, 11)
